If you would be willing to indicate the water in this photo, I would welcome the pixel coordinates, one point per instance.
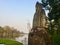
(23, 39)
(2, 44)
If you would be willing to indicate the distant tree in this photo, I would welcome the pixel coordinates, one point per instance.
(9, 33)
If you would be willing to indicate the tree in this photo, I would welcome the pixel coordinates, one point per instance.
(8, 32)
(54, 14)
(54, 9)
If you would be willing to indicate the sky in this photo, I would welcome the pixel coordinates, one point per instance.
(17, 13)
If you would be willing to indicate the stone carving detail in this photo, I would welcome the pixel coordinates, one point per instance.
(39, 19)
(38, 34)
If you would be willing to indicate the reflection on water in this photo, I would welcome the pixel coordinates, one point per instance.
(23, 39)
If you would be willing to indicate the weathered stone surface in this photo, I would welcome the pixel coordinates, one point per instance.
(39, 16)
(38, 36)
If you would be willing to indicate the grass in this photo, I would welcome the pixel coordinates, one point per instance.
(10, 42)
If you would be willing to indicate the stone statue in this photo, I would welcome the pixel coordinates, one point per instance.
(39, 19)
(38, 34)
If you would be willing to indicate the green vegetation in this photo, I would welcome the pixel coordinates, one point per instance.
(54, 14)
(8, 33)
(55, 36)
(10, 42)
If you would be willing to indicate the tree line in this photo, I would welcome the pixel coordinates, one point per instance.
(9, 32)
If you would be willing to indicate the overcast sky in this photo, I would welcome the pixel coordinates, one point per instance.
(16, 13)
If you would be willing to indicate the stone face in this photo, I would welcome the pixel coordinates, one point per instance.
(39, 19)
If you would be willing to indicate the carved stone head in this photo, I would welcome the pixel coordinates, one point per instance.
(38, 6)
